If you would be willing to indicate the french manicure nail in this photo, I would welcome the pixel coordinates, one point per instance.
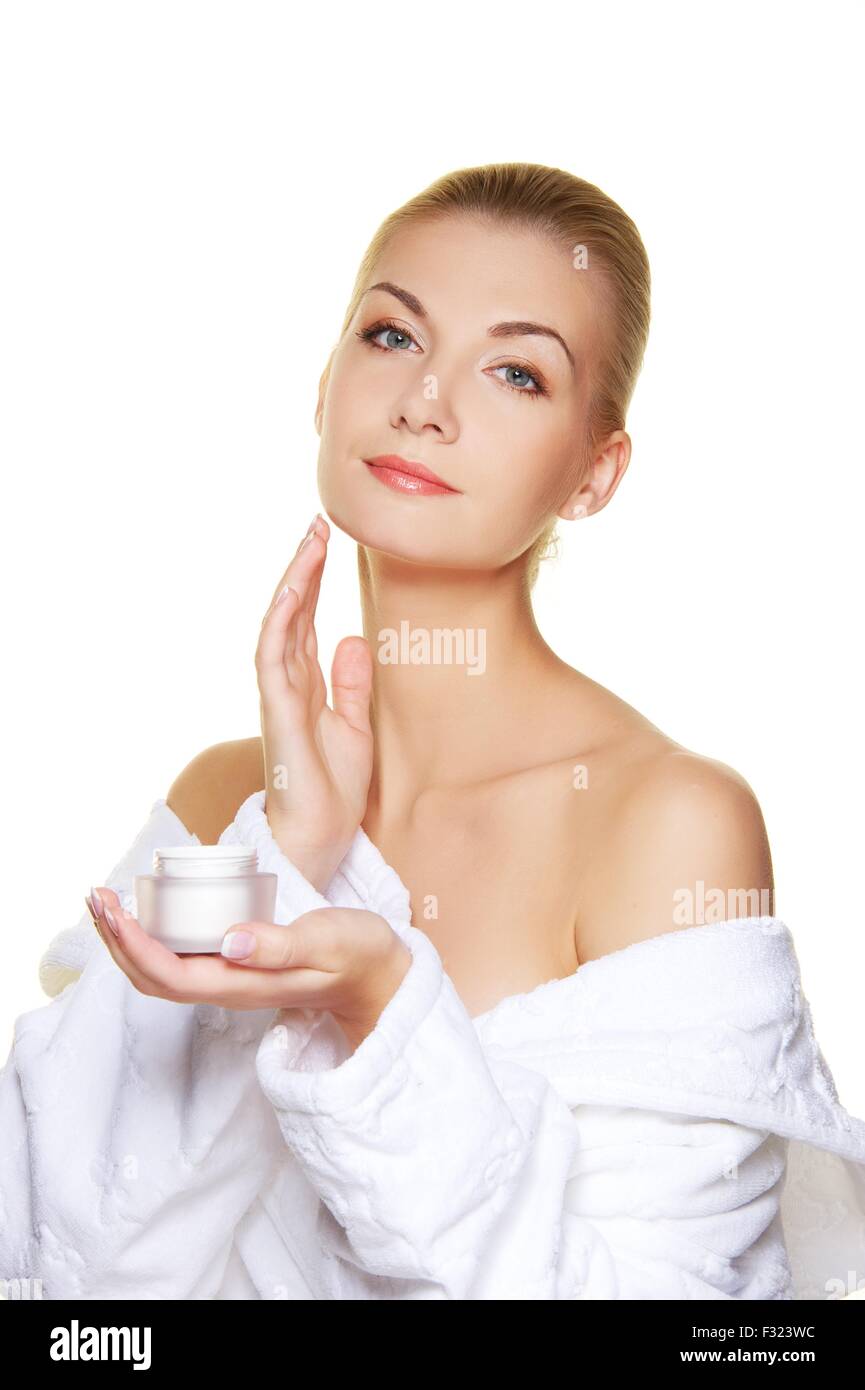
(96, 901)
(109, 917)
(238, 944)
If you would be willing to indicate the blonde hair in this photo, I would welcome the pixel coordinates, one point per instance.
(576, 214)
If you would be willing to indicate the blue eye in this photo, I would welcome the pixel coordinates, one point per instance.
(369, 335)
(515, 367)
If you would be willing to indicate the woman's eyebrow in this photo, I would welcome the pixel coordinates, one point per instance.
(514, 328)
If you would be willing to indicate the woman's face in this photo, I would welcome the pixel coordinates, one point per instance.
(497, 413)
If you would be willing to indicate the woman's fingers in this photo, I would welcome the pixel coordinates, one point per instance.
(285, 629)
(112, 940)
(152, 967)
(316, 940)
(310, 640)
(313, 962)
(277, 631)
(304, 575)
(351, 682)
(317, 526)
(321, 960)
(307, 581)
(155, 970)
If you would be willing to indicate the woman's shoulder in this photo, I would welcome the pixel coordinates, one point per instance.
(207, 794)
(642, 764)
(679, 837)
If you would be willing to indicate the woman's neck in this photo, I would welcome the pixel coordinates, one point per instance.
(460, 670)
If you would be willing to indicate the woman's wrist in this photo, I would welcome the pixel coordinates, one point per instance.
(318, 864)
(388, 978)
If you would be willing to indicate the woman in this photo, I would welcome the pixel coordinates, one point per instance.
(508, 1059)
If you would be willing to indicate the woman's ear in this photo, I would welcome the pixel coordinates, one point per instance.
(575, 507)
(603, 477)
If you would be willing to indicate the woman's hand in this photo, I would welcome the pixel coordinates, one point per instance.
(343, 959)
(317, 760)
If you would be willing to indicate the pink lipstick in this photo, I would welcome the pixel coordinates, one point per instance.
(404, 475)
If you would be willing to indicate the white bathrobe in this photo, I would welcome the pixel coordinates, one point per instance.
(659, 1125)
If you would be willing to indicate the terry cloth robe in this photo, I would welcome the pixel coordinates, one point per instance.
(659, 1125)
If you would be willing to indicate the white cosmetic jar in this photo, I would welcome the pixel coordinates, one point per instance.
(196, 893)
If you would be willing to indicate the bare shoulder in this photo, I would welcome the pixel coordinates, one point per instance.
(682, 842)
(208, 793)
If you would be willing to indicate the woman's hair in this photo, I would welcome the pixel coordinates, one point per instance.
(593, 230)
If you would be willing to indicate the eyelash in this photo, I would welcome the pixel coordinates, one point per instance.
(366, 335)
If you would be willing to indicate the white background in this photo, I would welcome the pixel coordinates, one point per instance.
(188, 189)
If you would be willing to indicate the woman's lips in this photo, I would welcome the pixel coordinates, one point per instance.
(392, 471)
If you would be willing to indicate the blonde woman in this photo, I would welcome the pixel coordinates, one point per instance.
(478, 1053)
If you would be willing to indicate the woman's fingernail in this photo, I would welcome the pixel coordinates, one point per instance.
(96, 901)
(88, 904)
(282, 593)
(109, 917)
(238, 944)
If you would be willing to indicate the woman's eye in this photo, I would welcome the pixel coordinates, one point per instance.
(392, 330)
(539, 389)
(393, 334)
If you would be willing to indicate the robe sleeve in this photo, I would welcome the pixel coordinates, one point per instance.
(450, 1172)
(470, 1176)
(670, 1206)
(133, 1132)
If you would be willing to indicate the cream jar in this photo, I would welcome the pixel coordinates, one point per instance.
(196, 893)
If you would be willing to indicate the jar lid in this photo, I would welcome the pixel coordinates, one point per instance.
(202, 861)
(205, 851)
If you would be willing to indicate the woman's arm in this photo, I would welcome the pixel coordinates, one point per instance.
(134, 1132)
(449, 1166)
(468, 1175)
